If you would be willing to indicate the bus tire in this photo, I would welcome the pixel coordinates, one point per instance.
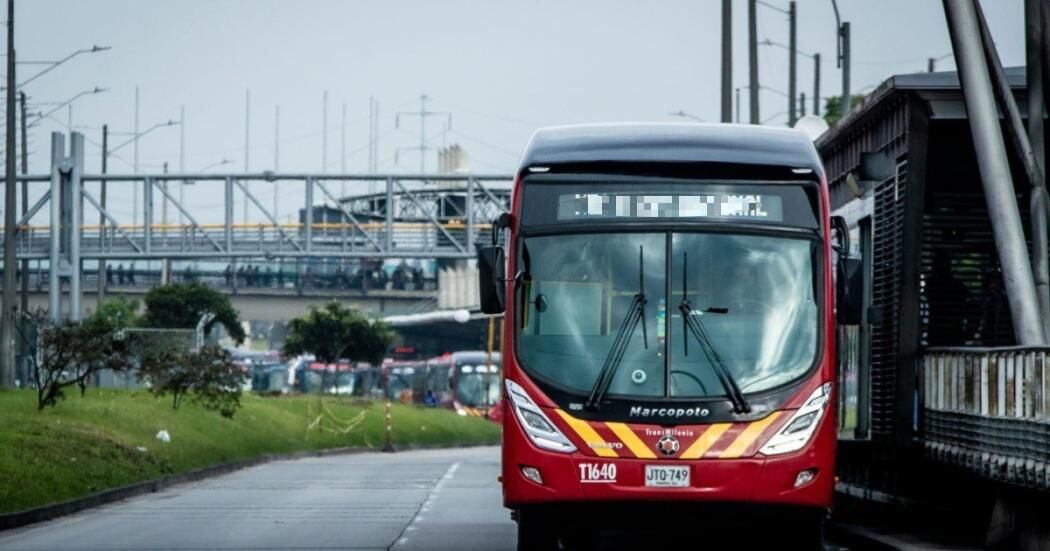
(536, 531)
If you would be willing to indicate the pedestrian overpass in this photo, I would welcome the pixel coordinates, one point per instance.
(69, 223)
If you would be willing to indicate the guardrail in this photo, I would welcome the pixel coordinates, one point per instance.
(987, 410)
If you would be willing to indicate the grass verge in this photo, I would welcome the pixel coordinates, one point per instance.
(96, 442)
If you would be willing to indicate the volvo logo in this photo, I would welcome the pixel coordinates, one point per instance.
(667, 445)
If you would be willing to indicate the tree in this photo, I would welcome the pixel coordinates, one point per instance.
(336, 332)
(119, 313)
(181, 305)
(833, 107)
(70, 353)
(208, 376)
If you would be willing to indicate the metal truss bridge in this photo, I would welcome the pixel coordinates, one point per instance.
(66, 218)
(406, 216)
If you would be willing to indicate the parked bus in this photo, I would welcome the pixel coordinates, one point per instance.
(468, 382)
(404, 380)
(368, 381)
(308, 376)
(670, 333)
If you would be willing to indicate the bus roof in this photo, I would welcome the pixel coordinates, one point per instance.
(730, 144)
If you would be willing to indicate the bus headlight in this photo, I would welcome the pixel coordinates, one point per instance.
(537, 426)
(800, 428)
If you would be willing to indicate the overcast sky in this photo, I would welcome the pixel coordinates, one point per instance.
(502, 68)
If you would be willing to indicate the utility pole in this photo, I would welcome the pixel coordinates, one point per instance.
(164, 201)
(816, 84)
(422, 135)
(324, 132)
(375, 140)
(422, 114)
(727, 61)
(182, 162)
(842, 58)
(247, 134)
(801, 104)
(847, 99)
(752, 59)
(135, 164)
(247, 128)
(276, 154)
(25, 209)
(7, 366)
(931, 63)
(371, 130)
(25, 145)
(792, 63)
(102, 268)
(342, 153)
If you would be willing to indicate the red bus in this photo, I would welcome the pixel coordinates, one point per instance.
(468, 382)
(669, 336)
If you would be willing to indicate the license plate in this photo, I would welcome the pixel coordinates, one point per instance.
(666, 476)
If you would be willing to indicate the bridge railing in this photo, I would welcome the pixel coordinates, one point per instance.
(260, 214)
(338, 240)
(987, 410)
(267, 280)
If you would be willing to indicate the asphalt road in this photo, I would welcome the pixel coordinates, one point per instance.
(433, 500)
(408, 501)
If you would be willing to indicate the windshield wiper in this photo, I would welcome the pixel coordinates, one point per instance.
(692, 324)
(635, 314)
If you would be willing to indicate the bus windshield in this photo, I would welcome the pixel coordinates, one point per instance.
(477, 385)
(753, 296)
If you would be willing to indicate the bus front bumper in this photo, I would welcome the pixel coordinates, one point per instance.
(804, 478)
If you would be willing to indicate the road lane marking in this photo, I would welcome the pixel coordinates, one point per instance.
(434, 492)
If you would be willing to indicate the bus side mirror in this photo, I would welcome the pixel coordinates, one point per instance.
(840, 233)
(849, 276)
(491, 275)
(500, 223)
(850, 291)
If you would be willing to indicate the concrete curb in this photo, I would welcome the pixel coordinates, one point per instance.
(55, 510)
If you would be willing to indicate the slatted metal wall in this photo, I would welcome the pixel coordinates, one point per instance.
(885, 129)
(886, 292)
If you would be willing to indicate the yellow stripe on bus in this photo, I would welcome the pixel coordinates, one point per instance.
(631, 440)
(746, 438)
(589, 435)
(698, 448)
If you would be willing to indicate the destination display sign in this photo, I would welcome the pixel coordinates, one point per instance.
(577, 206)
(556, 200)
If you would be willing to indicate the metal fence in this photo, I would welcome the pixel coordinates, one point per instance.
(987, 410)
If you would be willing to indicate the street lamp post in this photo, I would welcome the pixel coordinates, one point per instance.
(215, 164)
(54, 64)
(816, 70)
(7, 316)
(842, 46)
(135, 137)
(59, 105)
